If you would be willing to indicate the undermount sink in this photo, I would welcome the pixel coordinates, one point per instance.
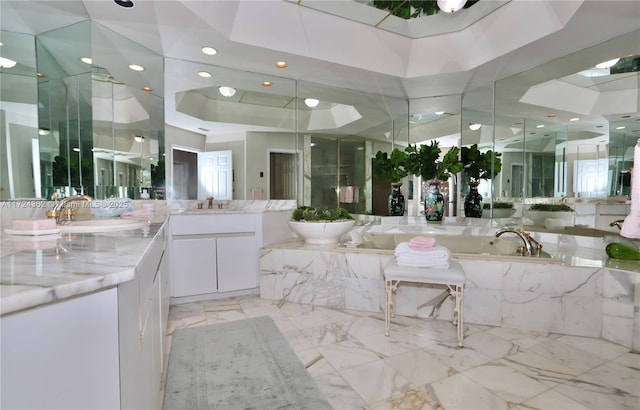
(102, 225)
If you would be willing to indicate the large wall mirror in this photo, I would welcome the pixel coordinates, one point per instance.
(82, 112)
(289, 139)
(566, 129)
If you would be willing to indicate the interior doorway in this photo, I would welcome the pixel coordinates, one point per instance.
(282, 175)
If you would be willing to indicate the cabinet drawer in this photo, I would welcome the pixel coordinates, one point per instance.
(212, 224)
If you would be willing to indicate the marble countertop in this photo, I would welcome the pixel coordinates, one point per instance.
(39, 270)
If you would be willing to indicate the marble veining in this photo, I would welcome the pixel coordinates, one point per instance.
(594, 301)
(346, 354)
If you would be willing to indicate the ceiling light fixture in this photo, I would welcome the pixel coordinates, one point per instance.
(267, 83)
(138, 138)
(147, 89)
(540, 126)
(311, 102)
(439, 112)
(621, 127)
(41, 75)
(210, 51)
(76, 149)
(281, 64)
(475, 126)
(204, 74)
(227, 91)
(1, 43)
(574, 119)
(6, 63)
(608, 64)
(136, 67)
(451, 6)
(86, 60)
(43, 131)
(124, 3)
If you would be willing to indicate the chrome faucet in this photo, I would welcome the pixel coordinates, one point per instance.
(62, 212)
(617, 222)
(531, 246)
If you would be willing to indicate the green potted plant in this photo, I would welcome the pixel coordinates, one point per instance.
(424, 160)
(556, 215)
(321, 225)
(390, 168)
(478, 165)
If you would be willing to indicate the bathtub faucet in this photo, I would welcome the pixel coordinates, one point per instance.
(62, 212)
(617, 223)
(531, 246)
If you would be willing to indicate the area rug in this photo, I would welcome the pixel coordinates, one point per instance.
(246, 364)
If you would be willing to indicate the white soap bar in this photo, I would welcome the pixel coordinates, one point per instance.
(33, 224)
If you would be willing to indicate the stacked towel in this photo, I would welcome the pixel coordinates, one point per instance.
(422, 243)
(434, 257)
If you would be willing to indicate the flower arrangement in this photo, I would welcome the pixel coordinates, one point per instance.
(551, 208)
(320, 214)
(424, 160)
(498, 205)
(390, 168)
(480, 165)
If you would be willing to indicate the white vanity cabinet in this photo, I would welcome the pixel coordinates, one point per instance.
(214, 253)
(143, 312)
(101, 350)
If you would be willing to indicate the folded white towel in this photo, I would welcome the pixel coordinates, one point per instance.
(443, 264)
(437, 252)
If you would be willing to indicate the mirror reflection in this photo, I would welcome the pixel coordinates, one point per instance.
(565, 130)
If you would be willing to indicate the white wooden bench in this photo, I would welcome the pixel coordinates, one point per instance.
(453, 278)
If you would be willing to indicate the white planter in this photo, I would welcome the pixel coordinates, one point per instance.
(499, 213)
(321, 233)
(562, 217)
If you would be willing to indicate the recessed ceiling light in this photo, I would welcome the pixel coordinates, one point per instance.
(136, 67)
(608, 64)
(210, 51)
(552, 115)
(281, 64)
(204, 74)
(267, 83)
(138, 138)
(574, 119)
(621, 127)
(6, 63)
(475, 126)
(86, 60)
(227, 91)
(124, 3)
(147, 89)
(41, 75)
(1, 44)
(439, 112)
(540, 126)
(311, 102)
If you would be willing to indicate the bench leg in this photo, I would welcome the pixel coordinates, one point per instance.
(458, 312)
(390, 289)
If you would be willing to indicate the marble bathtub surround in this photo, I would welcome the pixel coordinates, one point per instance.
(583, 299)
(419, 365)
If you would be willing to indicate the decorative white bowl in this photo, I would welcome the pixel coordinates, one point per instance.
(499, 213)
(321, 233)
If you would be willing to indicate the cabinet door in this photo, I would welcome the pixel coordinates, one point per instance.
(194, 266)
(237, 263)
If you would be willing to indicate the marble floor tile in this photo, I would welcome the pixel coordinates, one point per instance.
(551, 400)
(375, 381)
(460, 392)
(506, 382)
(419, 366)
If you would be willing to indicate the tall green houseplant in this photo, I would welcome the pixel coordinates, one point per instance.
(478, 165)
(424, 160)
(391, 168)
